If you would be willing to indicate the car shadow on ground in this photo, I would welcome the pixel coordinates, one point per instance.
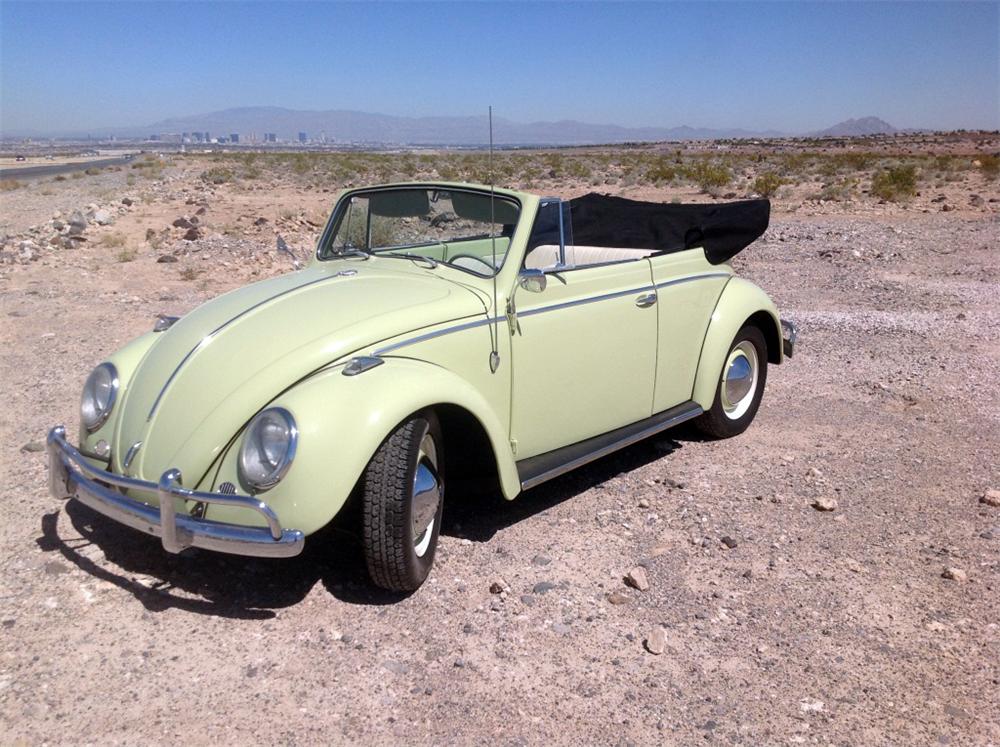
(479, 516)
(220, 585)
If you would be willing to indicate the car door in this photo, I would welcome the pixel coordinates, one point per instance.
(688, 288)
(583, 353)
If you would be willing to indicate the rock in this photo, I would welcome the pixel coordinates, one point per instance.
(260, 222)
(542, 587)
(103, 217)
(560, 628)
(617, 598)
(33, 446)
(729, 542)
(182, 223)
(127, 202)
(77, 224)
(656, 641)
(192, 234)
(811, 706)
(643, 503)
(58, 225)
(976, 201)
(955, 574)
(27, 252)
(825, 504)
(814, 473)
(201, 211)
(164, 259)
(540, 560)
(150, 234)
(636, 578)
(946, 208)
(496, 587)
(396, 667)
(991, 498)
(528, 600)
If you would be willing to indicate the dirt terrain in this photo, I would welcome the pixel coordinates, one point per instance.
(876, 622)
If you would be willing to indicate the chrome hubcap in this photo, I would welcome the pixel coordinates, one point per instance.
(739, 380)
(426, 497)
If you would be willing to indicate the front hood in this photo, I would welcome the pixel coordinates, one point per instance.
(216, 367)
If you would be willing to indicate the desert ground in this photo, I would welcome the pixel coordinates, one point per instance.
(875, 621)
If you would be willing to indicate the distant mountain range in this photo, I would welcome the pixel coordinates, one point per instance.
(858, 128)
(344, 126)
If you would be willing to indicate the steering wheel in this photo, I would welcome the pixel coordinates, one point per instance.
(488, 263)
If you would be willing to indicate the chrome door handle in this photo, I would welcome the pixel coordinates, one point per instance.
(645, 300)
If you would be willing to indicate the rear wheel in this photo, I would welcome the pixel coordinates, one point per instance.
(740, 388)
(403, 498)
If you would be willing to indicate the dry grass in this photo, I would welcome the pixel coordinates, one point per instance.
(114, 240)
(9, 185)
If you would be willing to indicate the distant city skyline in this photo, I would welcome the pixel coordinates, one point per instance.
(791, 67)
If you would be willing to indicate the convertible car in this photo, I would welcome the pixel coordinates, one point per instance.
(443, 334)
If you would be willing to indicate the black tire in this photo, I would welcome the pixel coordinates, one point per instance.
(392, 553)
(716, 423)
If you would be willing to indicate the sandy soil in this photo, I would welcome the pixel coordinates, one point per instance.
(802, 627)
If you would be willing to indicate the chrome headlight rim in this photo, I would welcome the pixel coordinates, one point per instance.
(105, 413)
(279, 472)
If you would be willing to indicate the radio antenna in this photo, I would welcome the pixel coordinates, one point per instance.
(495, 337)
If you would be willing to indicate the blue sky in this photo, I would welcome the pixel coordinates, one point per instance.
(785, 66)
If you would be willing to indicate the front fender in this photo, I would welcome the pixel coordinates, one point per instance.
(125, 360)
(342, 420)
(739, 301)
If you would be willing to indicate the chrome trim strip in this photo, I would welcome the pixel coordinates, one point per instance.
(554, 307)
(70, 475)
(689, 278)
(686, 412)
(211, 335)
(582, 301)
(437, 333)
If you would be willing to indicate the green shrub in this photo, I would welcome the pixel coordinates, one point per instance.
(895, 183)
(217, 175)
(709, 175)
(990, 166)
(767, 184)
(662, 171)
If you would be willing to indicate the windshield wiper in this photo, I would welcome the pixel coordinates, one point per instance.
(431, 262)
(352, 253)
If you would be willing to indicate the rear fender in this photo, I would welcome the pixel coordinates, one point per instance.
(741, 301)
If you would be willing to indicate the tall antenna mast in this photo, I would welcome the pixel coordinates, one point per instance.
(495, 353)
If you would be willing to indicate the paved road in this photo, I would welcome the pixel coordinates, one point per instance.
(57, 168)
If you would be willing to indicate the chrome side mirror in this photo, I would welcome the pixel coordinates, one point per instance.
(532, 279)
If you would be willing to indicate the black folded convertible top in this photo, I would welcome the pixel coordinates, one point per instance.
(722, 229)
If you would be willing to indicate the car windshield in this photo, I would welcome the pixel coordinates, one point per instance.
(460, 228)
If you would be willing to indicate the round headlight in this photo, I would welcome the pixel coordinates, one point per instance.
(268, 448)
(99, 395)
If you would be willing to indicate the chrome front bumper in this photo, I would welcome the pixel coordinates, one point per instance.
(72, 476)
(788, 337)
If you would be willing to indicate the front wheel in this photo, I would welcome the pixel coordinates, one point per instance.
(403, 499)
(741, 386)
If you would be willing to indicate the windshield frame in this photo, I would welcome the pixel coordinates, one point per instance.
(343, 203)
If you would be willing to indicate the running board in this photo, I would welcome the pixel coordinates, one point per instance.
(537, 469)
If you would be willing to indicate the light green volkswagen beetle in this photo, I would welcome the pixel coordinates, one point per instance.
(441, 332)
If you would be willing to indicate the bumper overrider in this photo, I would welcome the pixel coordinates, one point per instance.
(788, 337)
(72, 476)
